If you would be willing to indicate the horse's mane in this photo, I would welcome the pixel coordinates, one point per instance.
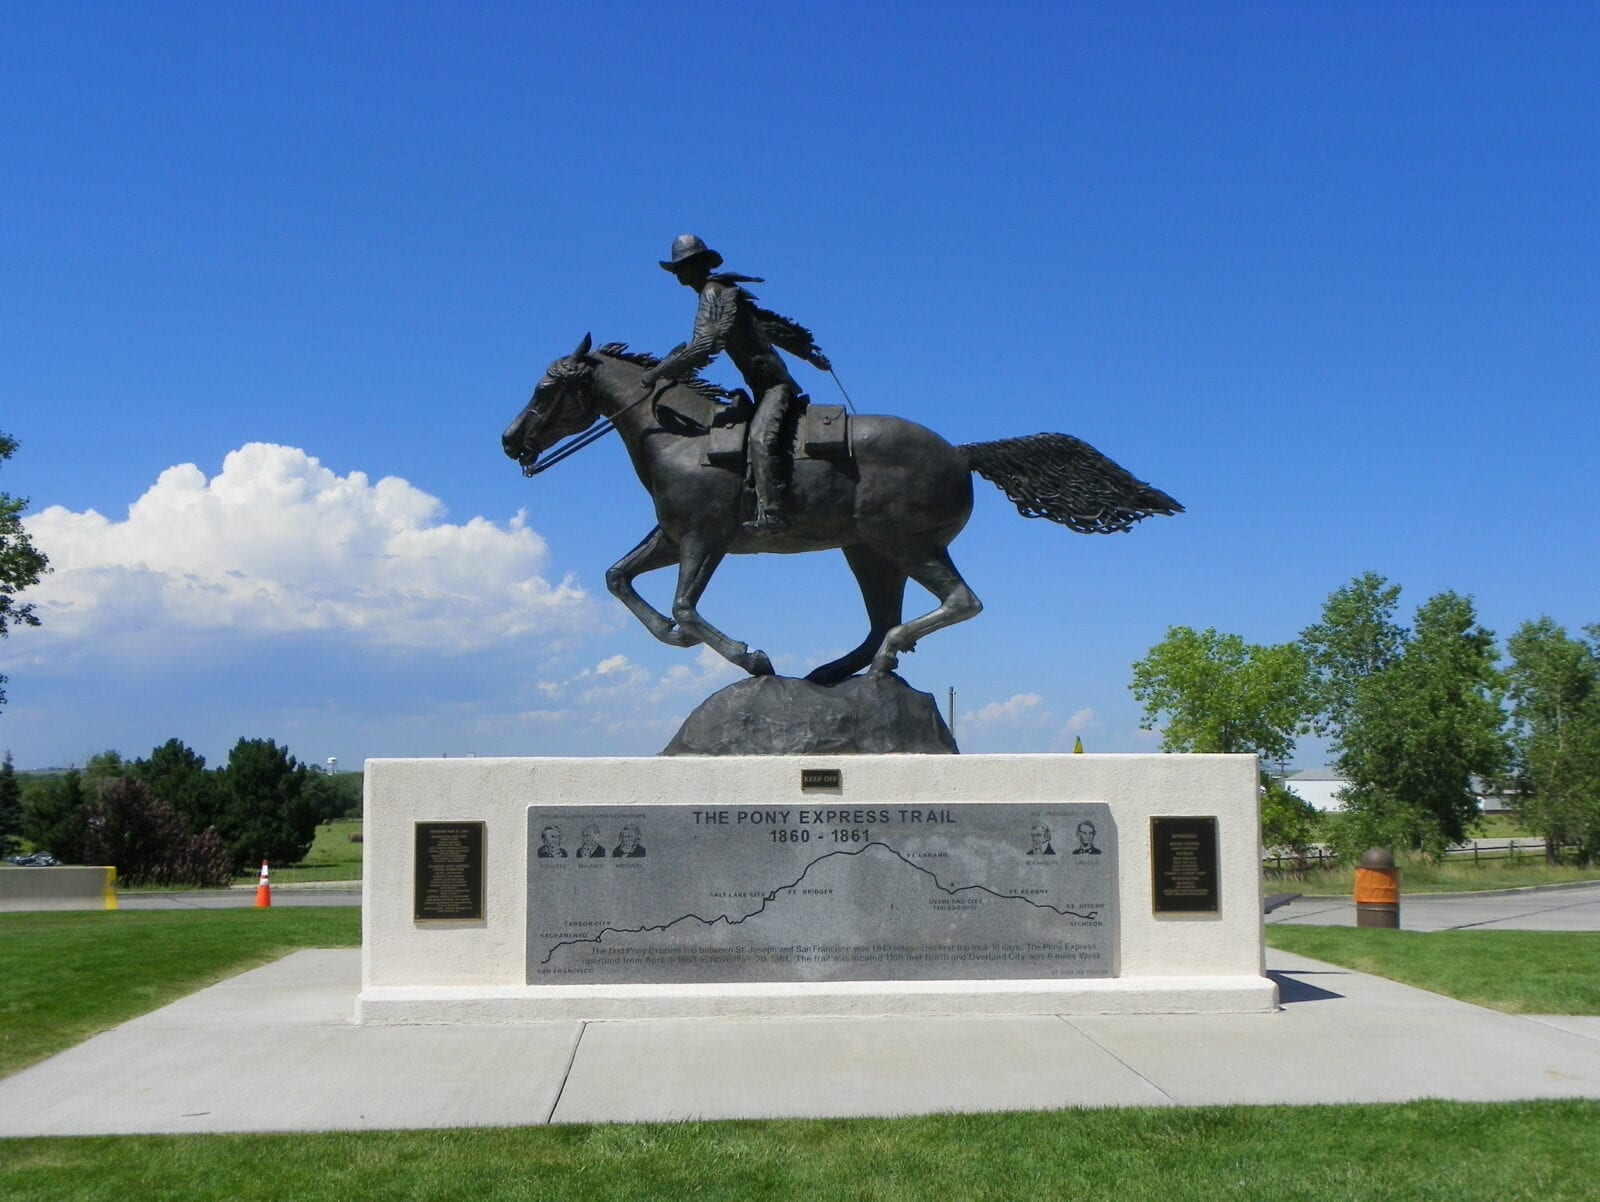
(692, 380)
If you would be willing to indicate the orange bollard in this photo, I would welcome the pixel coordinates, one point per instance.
(263, 889)
(1377, 891)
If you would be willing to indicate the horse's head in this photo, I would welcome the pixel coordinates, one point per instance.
(562, 404)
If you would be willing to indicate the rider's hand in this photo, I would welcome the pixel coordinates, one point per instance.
(647, 381)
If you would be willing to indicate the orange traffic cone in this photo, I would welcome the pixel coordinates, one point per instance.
(263, 889)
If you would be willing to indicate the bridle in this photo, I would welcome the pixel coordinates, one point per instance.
(577, 442)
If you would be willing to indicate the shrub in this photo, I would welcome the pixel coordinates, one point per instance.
(129, 826)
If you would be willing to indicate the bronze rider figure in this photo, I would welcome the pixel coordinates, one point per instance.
(728, 319)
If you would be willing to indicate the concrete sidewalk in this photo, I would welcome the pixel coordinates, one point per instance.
(275, 1050)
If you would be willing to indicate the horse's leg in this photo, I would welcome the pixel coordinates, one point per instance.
(654, 551)
(696, 563)
(883, 589)
(957, 603)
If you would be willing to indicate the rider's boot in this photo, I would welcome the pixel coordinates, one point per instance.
(769, 513)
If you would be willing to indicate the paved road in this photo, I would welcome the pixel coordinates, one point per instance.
(341, 894)
(1561, 908)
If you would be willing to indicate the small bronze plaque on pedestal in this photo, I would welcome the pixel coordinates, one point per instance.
(1183, 865)
(448, 885)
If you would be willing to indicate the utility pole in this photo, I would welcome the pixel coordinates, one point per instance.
(952, 722)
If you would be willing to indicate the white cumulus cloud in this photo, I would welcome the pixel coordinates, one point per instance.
(618, 694)
(708, 673)
(275, 543)
(1020, 707)
(1080, 721)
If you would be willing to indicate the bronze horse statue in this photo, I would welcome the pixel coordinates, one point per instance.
(893, 507)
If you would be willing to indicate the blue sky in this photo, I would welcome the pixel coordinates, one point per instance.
(278, 275)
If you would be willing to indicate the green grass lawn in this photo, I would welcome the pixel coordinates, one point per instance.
(66, 976)
(1501, 826)
(1520, 972)
(1426, 1150)
(332, 858)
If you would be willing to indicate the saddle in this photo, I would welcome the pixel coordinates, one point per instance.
(821, 431)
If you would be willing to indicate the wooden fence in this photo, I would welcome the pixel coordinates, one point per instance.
(1478, 851)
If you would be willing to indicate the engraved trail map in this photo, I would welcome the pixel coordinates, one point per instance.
(819, 891)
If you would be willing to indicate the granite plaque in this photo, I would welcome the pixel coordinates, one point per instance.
(448, 883)
(823, 891)
(1183, 867)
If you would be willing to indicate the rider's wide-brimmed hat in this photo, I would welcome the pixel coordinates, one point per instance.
(686, 248)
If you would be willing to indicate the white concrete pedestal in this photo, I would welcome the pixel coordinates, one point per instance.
(476, 972)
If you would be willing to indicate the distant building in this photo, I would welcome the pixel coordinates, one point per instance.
(1495, 798)
(1321, 787)
(1318, 786)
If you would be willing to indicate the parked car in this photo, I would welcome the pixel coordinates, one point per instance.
(38, 859)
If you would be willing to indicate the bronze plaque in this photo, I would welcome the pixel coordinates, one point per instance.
(448, 885)
(821, 778)
(1183, 865)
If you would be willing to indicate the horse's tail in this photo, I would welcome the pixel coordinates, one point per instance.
(1064, 479)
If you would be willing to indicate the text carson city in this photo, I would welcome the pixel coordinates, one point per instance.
(819, 817)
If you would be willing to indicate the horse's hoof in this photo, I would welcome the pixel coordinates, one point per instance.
(757, 664)
(884, 665)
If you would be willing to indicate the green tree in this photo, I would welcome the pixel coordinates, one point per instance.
(346, 799)
(1288, 822)
(177, 774)
(1418, 729)
(54, 816)
(10, 807)
(21, 563)
(270, 811)
(1356, 639)
(103, 766)
(1554, 686)
(1216, 693)
(330, 798)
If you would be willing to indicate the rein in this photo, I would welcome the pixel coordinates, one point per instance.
(578, 441)
(569, 448)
